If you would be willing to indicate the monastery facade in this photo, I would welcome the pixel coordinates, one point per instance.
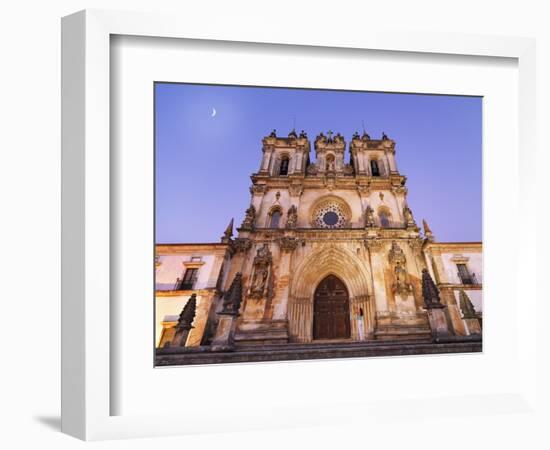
(328, 258)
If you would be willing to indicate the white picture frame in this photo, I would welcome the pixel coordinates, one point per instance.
(87, 355)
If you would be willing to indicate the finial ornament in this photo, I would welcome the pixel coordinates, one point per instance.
(427, 231)
(430, 292)
(187, 315)
(233, 297)
(228, 233)
(468, 310)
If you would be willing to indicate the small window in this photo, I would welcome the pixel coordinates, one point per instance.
(384, 219)
(196, 258)
(464, 274)
(275, 219)
(283, 168)
(375, 170)
(189, 279)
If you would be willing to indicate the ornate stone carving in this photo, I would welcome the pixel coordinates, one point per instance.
(228, 233)
(468, 310)
(185, 323)
(430, 292)
(292, 217)
(249, 219)
(374, 244)
(258, 189)
(427, 231)
(408, 216)
(233, 297)
(296, 189)
(398, 190)
(241, 245)
(398, 260)
(288, 244)
(348, 169)
(369, 217)
(312, 169)
(261, 272)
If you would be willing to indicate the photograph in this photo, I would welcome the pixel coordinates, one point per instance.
(298, 224)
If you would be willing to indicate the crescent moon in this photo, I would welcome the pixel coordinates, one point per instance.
(213, 112)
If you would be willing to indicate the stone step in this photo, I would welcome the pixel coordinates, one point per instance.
(289, 352)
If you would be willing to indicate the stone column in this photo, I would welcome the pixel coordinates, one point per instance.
(266, 159)
(224, 339)
(391, 160)
(436, 314)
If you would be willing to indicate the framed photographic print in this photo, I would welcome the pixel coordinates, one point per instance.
(257, 226)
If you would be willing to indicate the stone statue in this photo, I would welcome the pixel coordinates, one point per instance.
(249, 219)
(355, 135)
(260, 277)
(397, 258)
(369, 217)
(292, 217)
(384, 136)
(273, 133)
(401, 284)
(321, 138)
(259, 280)
(303, 135)
(407, 214)
(330, 165)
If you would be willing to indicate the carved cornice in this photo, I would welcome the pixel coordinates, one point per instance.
(288, 244)
(296, 189)
(241, 245)
(374, 244)
(258, 189)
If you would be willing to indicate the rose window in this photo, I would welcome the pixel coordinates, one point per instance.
(330, 215)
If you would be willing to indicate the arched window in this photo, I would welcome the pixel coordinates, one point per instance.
(283, 167)
(274, 219)
(375, 170)
(384, 219)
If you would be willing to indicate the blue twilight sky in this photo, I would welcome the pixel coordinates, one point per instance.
(204, 162)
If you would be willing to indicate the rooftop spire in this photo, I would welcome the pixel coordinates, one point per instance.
(228, 233)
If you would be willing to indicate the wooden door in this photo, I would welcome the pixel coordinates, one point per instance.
(331, 310)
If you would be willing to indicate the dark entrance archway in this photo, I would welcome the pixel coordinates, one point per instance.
(331, 310)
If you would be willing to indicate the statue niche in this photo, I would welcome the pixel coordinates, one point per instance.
(401, 284)
(292, 217)
(260, 274)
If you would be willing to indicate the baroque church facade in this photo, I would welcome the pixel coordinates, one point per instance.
(328, 261)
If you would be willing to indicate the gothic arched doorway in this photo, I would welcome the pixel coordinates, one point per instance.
(331, 310)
